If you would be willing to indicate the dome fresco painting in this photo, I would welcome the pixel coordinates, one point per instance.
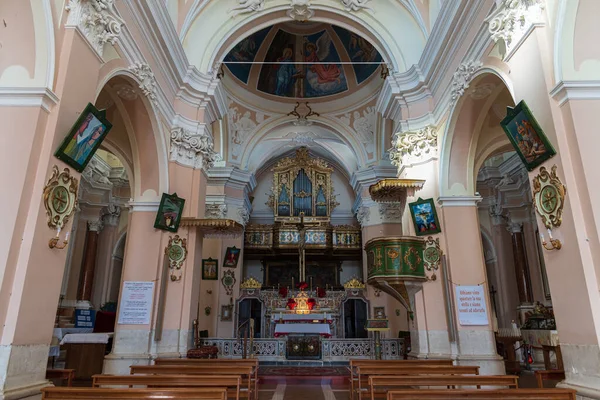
(287, 51)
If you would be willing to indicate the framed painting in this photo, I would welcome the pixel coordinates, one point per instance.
(169, 212)
(84, 138)
(424, 217)
(210, 270)
(526, 136)
(227, 313)
(232, 255)
(379, 313)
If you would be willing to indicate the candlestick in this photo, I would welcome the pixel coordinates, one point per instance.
(550, 234)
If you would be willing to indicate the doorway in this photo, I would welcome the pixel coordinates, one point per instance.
(355, 319)
(250, 309)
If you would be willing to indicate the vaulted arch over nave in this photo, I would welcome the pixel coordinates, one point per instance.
(356, 146)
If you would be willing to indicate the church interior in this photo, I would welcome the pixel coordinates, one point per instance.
(281, 199)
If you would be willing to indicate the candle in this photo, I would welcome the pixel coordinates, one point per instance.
(549, 233)
(542, 237)
(67, 237)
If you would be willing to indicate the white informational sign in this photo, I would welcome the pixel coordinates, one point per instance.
(136, 303)
(470, 301)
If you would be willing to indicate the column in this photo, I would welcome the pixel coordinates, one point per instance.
(520, 260)
(86, 278)
(466, 267)
(105, 267)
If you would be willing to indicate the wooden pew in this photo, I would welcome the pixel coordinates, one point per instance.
(246, 372)
(231, 382)
(355, 363)
(501, 394)
(553, 374)
(379, 385)
(85, 393)
(68, 374)
(253, 362)
(363, 373)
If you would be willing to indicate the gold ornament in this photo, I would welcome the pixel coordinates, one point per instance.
(549, 197)
(354, 284)
(250, 283)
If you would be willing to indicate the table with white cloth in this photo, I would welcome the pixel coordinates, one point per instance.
(315, 329)
(85, 353)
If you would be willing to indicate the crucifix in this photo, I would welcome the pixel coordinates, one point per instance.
(301, 247)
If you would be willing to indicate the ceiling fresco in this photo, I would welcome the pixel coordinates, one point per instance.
(288, 53)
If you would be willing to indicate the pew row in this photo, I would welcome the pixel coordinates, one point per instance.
(232, 383)
(85, 393)
(483, 394)
(360, 385)
(379, 385)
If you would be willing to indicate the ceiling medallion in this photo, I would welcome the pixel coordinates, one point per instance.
(176, 251)
(60, 197)
(549, 197)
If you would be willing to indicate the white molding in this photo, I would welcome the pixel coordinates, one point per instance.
(371, 175)
(143, 206)
(575, 90)
(459, 201)
(28, 97)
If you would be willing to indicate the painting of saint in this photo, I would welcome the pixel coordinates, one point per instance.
(424, 217)
(286, 73)
(232, 256)
(245, 51)
(279, 75)
(359, 50)
(84, 139)
(209, 270)
(169, 212)
(526, 136)
(324, 77)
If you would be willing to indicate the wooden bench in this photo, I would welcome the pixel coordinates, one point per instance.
(356, 363)
(247, 373)
(363, 373)
(68, 374)
(231, 382)
(552, 374)
(80, 393)
(252, 362)
(379, 385)
(501, 394)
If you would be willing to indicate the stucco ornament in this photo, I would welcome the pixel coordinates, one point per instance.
(247, 6)
(511, 21)
(244, 215)
(192, 150)
(549, 197)
(356, 5)
(300, 10)
(363, 215)
(462, 77)
(97, 19)
(146, 78)
(391, 212)
(240, 128)
(364, 125)
(413, 147)
(60, 197)
(215, 210)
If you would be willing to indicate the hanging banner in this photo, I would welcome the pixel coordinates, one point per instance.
(471, 305)
(136, 303)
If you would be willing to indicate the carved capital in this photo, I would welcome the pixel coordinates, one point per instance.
(462, 78)
(363, 215)
(512, 20)
(110, 215)
(97, 19)
(413, 147)
(192, 150)
(514, 227)
(95, 226)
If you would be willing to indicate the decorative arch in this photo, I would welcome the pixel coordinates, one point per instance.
(459, 144)
(394, 31)
(145, 112)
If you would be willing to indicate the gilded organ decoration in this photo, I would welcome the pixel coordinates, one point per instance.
(549, 197)
(302, 184)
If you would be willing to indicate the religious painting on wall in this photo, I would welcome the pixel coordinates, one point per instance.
(232, 256)
(210, 270)
(244, 53)
(169, 212)
(424, 217)
(84, 138)
(281, 273)
(379, 313)
(526, 136)
(359, 50)
(322, 79)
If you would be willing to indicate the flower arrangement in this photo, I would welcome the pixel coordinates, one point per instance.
(321, 292)
(283, 292)
(302, 286)
(311, 303)
(291, 303)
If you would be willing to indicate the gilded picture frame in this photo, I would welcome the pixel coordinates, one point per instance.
(84, 138)
(424, 217)
(232, 256)
(210, 269)
(526, 136)
(169, 212)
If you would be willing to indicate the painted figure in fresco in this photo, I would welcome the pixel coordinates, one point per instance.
(316, 52)
(362, 50)
(286, 73)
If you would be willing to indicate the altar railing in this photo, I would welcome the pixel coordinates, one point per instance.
(331, 349)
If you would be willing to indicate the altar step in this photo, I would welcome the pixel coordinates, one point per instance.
(303, 363)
